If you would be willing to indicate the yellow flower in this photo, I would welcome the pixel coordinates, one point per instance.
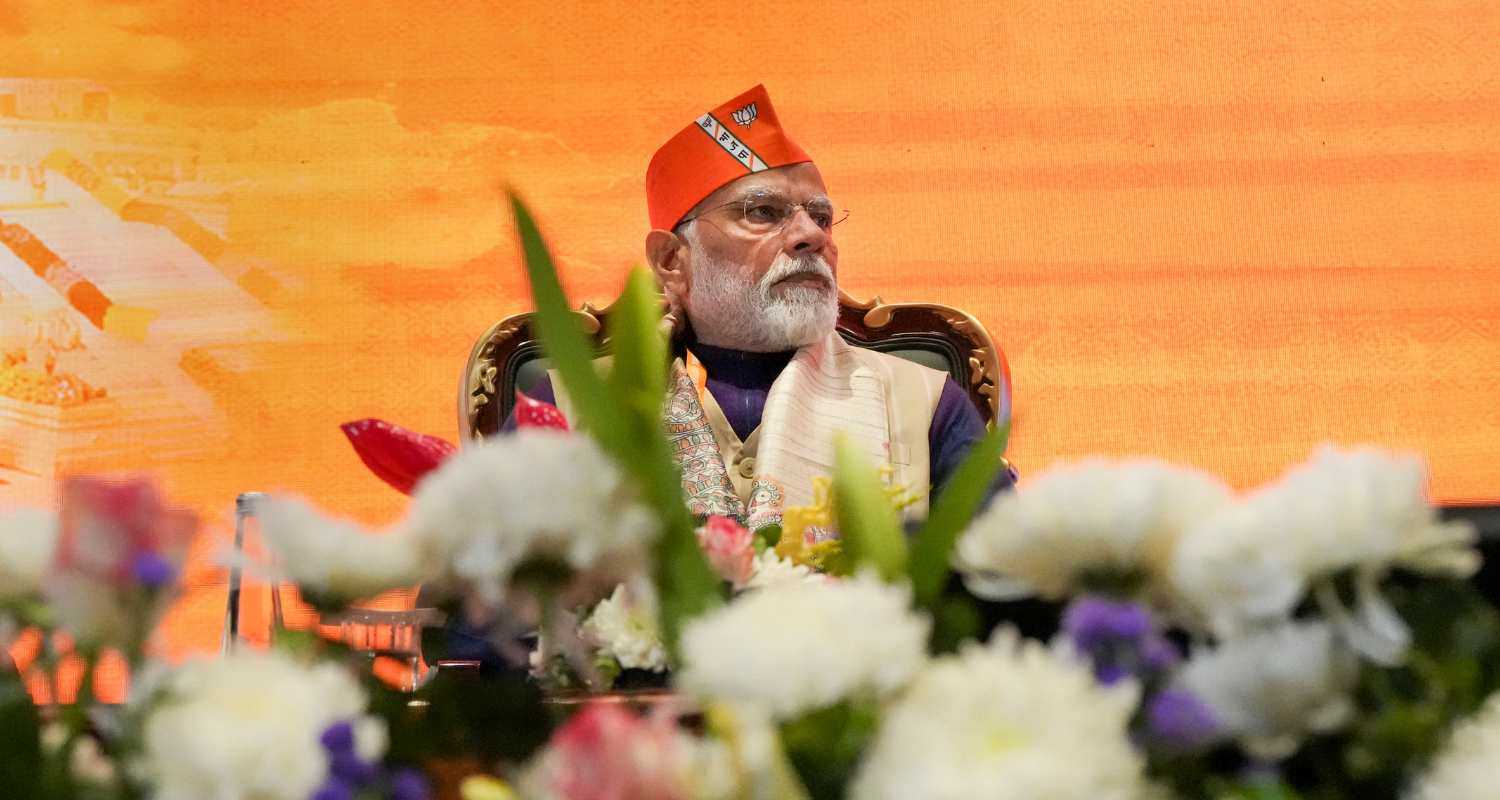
(485, 787)
(900, 495)
(797, 520)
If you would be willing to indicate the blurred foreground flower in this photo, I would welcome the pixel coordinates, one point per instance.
(1011, 719)
(1364, 510)
(769, 569)
(118, 553)
(335, 562)
(28, 543)
(1095, 525)
(607, 752)
(799, 647)
(730, 548)
(1271, 689)
(541, 505)
(249, 725)
(354, 769)
(1465, 768)
(1121, 639)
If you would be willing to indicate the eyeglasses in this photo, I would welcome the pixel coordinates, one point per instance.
(764, 212)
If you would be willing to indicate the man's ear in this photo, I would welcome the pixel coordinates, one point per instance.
(668, 255)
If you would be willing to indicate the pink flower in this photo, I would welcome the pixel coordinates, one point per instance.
(120, 532)
(606, 752)
(730, 548)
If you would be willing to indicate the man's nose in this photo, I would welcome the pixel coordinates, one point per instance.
(803, 235)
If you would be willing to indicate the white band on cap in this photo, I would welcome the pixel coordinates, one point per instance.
(737, 149)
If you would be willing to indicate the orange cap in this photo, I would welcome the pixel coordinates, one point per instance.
(736, 139)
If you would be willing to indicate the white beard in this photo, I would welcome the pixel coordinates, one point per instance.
(728, 309)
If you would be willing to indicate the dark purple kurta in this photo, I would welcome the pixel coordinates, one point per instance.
(739, 382)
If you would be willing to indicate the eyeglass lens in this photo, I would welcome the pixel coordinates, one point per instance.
(766, 210)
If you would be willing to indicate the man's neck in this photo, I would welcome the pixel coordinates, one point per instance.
(740, 367)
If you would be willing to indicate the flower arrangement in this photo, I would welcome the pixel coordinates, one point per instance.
(1111, 629)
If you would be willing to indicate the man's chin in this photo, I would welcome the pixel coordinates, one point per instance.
(800, 292)
(797, 323)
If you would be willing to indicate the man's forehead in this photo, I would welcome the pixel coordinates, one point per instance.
(797, 181)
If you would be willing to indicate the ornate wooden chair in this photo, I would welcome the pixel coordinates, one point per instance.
(508, 356)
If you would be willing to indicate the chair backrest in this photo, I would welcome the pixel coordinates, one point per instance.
(508, 356)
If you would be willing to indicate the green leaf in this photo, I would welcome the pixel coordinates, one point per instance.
(686, 586)
(1261, 790)
(624, 415)
(955, 620)
(825, 746)
(767, 536)
(561, 334)
(950, 514)
(21, 763)
(639, 375)
(868, 524)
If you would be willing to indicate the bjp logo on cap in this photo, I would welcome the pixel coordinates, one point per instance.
(744, 115)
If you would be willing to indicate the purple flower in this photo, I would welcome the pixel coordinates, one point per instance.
(1177, 719)
(1094, 623)
(338, 738)
(1158, 654)
(408, 784)
(1110, 674)
(333, 789)
(350, 768)
(150, 569)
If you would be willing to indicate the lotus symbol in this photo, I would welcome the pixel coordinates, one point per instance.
(744, 115)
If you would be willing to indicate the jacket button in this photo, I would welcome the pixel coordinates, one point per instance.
(747, 467)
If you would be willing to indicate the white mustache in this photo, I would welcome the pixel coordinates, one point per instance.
(785, 267)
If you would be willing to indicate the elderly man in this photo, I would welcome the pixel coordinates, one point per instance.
(743, 246)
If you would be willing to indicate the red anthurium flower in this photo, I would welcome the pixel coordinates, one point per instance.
(398, 456)
(536, 414)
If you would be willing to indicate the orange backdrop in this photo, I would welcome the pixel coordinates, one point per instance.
(1216, 233)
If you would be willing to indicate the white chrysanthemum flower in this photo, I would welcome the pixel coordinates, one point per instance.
(624, 627)
(337, 559)
(769, 570)
(535, 495)
(1465, 768)
(1232, 573)
(1092, 517)
(248, 726)
(804, 646)
(1011, 719)
(1365, 509)
(28, 540)
(1270, 688)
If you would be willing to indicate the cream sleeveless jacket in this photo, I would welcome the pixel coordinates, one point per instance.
(881, 403)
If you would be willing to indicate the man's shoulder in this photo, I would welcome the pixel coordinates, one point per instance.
(903, 367)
